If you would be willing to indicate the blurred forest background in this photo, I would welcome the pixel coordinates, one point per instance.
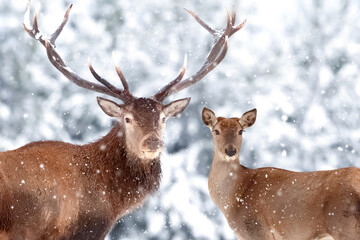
(297, 62)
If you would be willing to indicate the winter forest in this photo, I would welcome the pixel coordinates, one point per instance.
(297, 62)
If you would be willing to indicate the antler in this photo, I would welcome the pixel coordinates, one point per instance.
(58, 62)
(215, 56)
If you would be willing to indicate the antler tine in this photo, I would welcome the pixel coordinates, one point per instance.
(60, 28)
(238, 27)
(60, 64)
(122, 94)
(122, 78)
(233, 15)
(160, 96)
(228, 20)
(35, 24)
(216, 55)
(201, 22)
(34, 30)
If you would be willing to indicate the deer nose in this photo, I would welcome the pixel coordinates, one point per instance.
(230, 151)
(152, 143)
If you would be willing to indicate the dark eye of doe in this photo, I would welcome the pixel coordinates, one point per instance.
(241, 132)
(127, 120)
(163, 120)
(217, 132)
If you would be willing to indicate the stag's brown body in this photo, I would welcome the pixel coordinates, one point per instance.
(272, 203)
(56, 190)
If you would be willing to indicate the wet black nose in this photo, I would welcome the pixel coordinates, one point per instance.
(230, 151)
(152, 144)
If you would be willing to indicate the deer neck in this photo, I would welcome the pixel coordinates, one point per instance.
(227, 182)
(126, 178)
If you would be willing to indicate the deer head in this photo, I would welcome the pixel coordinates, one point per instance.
(227, 132)
(143, 119)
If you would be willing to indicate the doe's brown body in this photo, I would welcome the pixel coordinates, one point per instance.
(271, 203)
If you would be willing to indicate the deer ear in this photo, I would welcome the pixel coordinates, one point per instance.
(175, 107)
(208, 117)
(109, 107)
(248, 118)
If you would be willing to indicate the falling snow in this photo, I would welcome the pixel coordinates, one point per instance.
(300, 69)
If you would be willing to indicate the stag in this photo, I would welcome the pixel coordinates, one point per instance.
(58, 190)
(271, 203)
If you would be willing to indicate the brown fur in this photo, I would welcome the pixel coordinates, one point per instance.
(56, 190)
(272, 203)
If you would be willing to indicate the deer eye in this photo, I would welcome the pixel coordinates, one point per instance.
(127, 120)
(163, 120)
(217, 132)
(241, 132)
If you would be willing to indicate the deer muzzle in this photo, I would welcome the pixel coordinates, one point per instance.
(152, 143)
(230, 151)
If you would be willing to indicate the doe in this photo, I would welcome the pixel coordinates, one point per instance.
(271, 203)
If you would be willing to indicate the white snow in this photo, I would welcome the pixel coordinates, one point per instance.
(302, 77)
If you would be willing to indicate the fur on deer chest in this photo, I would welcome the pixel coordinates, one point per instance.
(221, 188)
